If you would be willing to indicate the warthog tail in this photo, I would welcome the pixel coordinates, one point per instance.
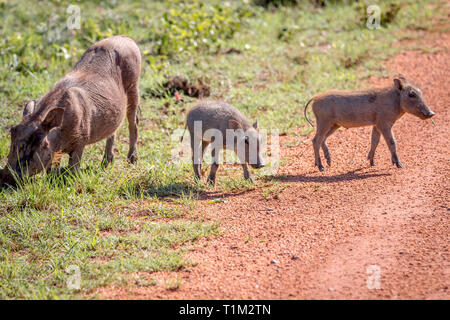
(181, 140)
(306, 106)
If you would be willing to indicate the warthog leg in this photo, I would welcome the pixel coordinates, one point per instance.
(386, 131)
(326, 152)
(323, 127)
(133, 105)
(214, 166)
(75, 158)
(109, 151)
(373, 145)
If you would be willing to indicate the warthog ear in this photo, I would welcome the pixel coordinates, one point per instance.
(30, 106)
(233, 124)
(255, 124)
(53, 119)
(400, 83)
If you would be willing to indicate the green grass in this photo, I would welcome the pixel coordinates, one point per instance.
(118, 222)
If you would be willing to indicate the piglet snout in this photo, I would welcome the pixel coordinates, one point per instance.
(427, 113)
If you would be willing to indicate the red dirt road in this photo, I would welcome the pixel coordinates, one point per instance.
(318, 237)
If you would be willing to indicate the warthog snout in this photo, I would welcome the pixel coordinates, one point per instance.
(427, 113)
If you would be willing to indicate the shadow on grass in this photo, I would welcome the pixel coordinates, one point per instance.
(149, 189)
(176, 189)
(349, 176)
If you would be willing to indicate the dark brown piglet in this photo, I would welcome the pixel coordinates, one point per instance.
(226, 127)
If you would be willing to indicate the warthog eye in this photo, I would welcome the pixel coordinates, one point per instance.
(412, 94)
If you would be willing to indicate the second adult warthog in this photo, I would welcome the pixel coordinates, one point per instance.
(88, 105)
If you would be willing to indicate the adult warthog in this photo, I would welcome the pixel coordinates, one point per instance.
(86, 106)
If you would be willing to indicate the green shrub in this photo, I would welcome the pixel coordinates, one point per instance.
(195, 26)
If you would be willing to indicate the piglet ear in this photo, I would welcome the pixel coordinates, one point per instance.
(255, 124)
(400, 83)
(233, 124)
(53, 119)
(30, 106)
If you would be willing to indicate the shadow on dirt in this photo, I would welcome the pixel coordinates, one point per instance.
(349, 176)
(216, 195)
(177, 190)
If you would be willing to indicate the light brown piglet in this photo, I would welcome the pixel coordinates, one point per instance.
(379, 108)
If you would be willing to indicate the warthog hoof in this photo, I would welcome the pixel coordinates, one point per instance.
(132, 159)
(211, 181)
(398, 164)
(107, 161)
(250, 178)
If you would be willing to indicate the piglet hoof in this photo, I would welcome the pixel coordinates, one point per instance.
(321, 168)
(399, 165)
(106, 162)
(397, 162)
(372, 163)
(211, 181)
(250, 178)
(132, 159)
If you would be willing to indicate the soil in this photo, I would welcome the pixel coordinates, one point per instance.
(323, 235)
(179, 84)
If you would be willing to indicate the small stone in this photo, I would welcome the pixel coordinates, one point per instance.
(274, 261)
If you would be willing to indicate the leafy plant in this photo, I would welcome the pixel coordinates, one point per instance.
(191, 26)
